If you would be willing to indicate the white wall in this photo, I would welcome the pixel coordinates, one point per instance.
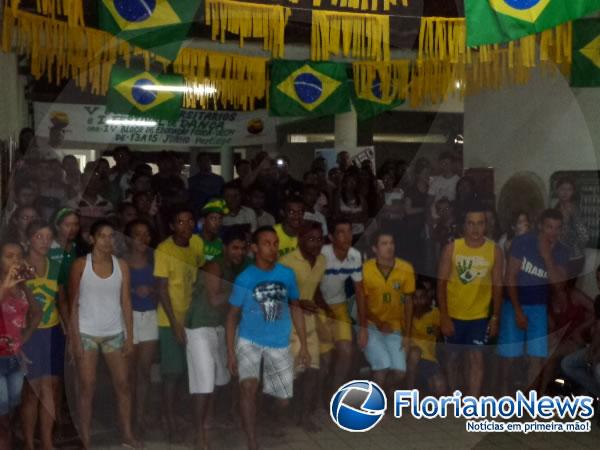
(542, 127)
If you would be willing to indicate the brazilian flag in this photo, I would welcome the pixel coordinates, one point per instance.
(156, 25)
(142, 94)
(585, 70)
(498, 21)
(309, 89)
(372, 104)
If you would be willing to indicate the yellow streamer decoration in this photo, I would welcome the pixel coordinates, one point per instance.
(86, 55)
(362, 36)
(249, 20)
(363, 5)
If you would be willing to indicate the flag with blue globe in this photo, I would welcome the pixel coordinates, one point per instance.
(308, 89)
(138, 94)
(156, 25)
(358, 406)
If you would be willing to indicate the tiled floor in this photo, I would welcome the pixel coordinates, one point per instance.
(405, 433)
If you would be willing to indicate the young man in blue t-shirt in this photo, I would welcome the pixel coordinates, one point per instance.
(264, 302)
(537, 263)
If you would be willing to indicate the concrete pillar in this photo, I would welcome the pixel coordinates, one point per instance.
(13, 113)
(346, 130)
(227, 162)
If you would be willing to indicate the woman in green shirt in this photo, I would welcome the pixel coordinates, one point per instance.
(64, 248)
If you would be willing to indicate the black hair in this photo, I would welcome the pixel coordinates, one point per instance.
(254, 188)
(262, 230)
(474, 206)
(36, 226)
(180, 209)
(292, 199)
(134, 223)
(332, 224)
(137, 195)
(9, 241)
(25, 185)
(123, 206)
(202, 155)
(510, 233)
(308, 226)
(233, 233)
(137, 175)
(99, 224)
(380, 232)
(553, 214)
(121, 148)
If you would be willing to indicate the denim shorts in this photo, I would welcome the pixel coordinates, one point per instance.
(11, 383)
(45, 351)
(514, 342)
(384, 351)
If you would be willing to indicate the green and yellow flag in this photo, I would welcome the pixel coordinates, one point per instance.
(309, 89)
(372, 103)
(585, 71)
(156, 25)
(142, 94)
(497, 21)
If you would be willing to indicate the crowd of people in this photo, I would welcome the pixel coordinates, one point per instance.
(274, 284)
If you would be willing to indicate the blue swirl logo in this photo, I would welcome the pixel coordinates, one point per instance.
(358, 406)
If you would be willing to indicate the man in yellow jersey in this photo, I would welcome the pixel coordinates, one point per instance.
(423, 368)
(309, 266)
(287, 230)
(389, 283)
(176, 263)
(469, 282)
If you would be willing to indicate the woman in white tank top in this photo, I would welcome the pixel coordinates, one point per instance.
(101, 322)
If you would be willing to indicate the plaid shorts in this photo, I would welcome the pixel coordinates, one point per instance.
(278, 367)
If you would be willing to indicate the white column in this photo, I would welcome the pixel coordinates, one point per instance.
(227, 162)
(346, 131)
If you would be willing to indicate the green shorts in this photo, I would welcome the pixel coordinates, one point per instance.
(104, 344)
(172, 355)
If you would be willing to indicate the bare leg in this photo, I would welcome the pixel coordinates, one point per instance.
(146, 353)
(380, 376)
(29, 411)
(323, 387)
(534, 371)
(309, 382)
(437, 384)
(248, 388)
(117, 366)
(394, 380)
(202, 403)
(412, 364)
(452, 361)
(475, 359)
(50, 390)
(343, 360)
(170, 395)
(87, 386)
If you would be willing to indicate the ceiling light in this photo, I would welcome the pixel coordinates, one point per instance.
(198, 89)
(132, 122)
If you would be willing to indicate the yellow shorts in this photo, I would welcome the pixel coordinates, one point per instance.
(312, 342)
(332, 330)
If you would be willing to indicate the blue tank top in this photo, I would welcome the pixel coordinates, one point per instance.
(143, 277)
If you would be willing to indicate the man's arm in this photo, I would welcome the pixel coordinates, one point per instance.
(512, 272)
(233, 317)
(444, 272)
(300, 327)
(497, 273)
(165, 301)
(126, 306)
(361, 306)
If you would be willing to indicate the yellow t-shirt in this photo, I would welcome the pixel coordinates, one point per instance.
(470, 284)
(308, 279)
(385, 295)
(287, 243)
(424, 333)
(180, 265)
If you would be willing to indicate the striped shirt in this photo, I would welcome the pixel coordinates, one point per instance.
(337, 273)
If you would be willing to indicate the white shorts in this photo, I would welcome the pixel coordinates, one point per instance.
(206, 359)
(278, 367)
(145, 326)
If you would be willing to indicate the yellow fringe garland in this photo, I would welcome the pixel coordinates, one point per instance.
(363, 5)
(239, 80)
(249, 20)
(86, 55)
(71, 9)
(393, 77)
(363, 36)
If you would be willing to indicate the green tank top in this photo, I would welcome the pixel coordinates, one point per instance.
(202, 313)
